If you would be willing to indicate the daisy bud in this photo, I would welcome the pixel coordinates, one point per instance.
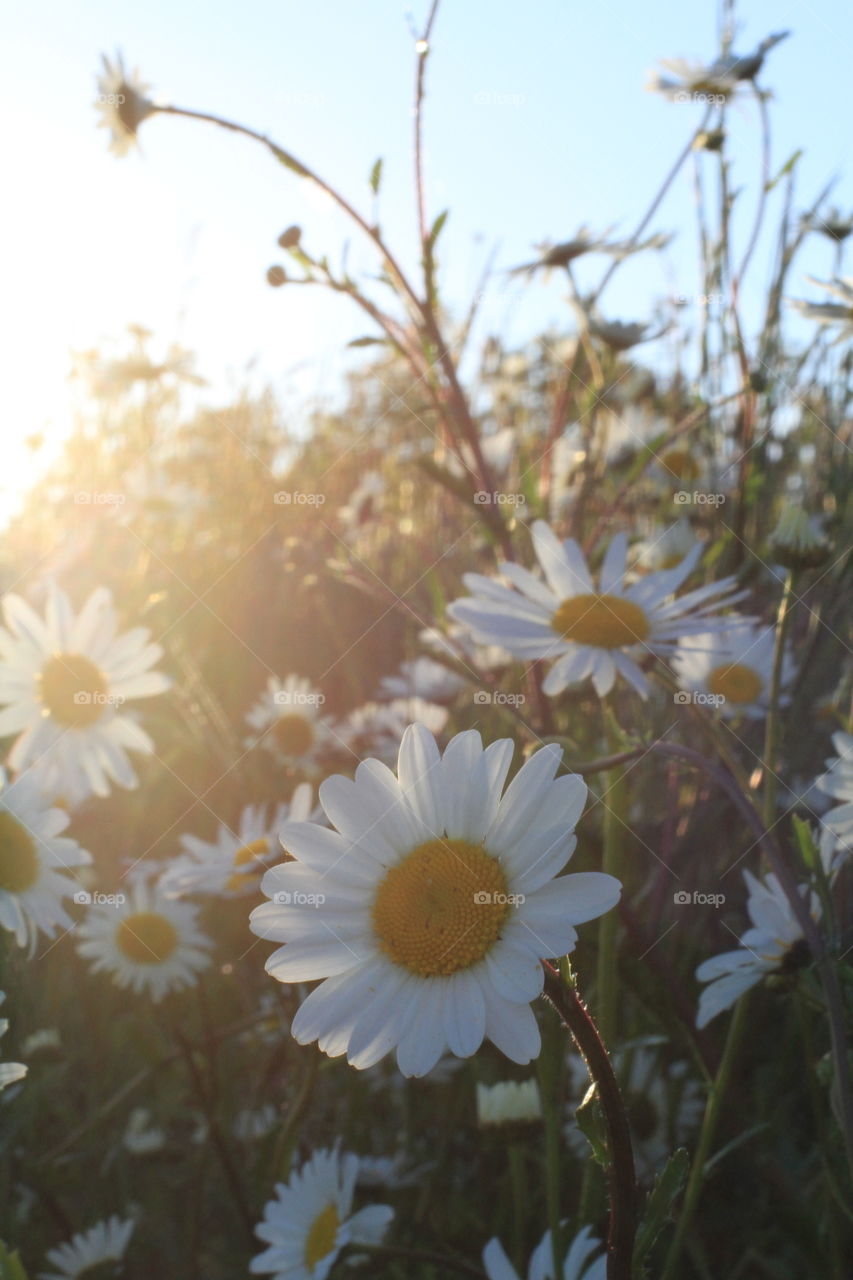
(798, 542)
(276, 276)
(290, 238)
(510, 1102)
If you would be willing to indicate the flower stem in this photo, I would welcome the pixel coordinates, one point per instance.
(614, 801)
(771, 732)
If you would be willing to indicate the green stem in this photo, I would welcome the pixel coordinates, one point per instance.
(771, 733)
(614, 839)
(519, 1197)
(548, 1069)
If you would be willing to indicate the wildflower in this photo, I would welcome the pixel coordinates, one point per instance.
(508, 1102)
(840, 313)
(731, 669)
(106, 1242)
(10, 1072)
(838, 782)
(423, 678)
(798, 542)
(286, 720)
(123, 103)
(577, 1265)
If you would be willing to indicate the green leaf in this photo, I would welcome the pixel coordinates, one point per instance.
(291, 163)
(436, 229)
(667, 1187)
(591, 1124)
(11, 1267)
(366, 342)
(805, 841)
(787, 168)
(376, 177)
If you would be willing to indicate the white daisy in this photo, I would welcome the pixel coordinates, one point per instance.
(66, 681)
(311, 1219)
(231, 865)
(577, 1265)
(663, 550)
(252, 1125)
(833, 851)
(731, 669)
(429, 907)
(775, 944)
(106, 1242)
(34, 857)
(798, 541)
(456, 643)
(149, 942)
(141, 1138)
(123, 103)
(286, 720)
(423, 678)
(508, 1102)
(591, 632)
(377, 727)
(10, 1072)
(840, 313)
(838, 782)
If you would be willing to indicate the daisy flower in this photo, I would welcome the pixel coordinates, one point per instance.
(578, 1263)
(590, 631)
(286, 720)
(123, 103)
(798, 541)
(838, 782)
(149, 942)
(731, 669)
(422, 678)
(311, 1219)
(508, 1102)
(663, 550)
(231, 865)
(840, 313)
(65, 681)
(106, 1242)
(775, 944)
(141, 1138)
(377, 727)
(34, 856)
(430, 906)
(10, 1072)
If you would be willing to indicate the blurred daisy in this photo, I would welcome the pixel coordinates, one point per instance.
(311, 1219)
(428, 909)
(838, 782)
(231, 865)
(252, 1126)
(423, 678)
(798, 541)
(149, 943)
(455, 642)
(840, 313)
(123, 103)
(366, 502)
(833, 851)
(664, 550)
(286, 720)
(591, 632)
(716, 79)
(106, 1242)
(141, 1138)
(34, 857)
(734, 667)
(578, 1263)
(775, 944)
(65, 681)
(508, 1102)
(833, 224)
(376, 728)
(10, 1072)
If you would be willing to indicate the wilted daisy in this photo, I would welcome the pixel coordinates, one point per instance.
(508, 1102)
(106, 1242)
(423, 678)
(311, 1220)
(231, 865)
(34, 857)
(717, 79)
(833, 224)
(149, 942)
(580, 1262)
(65, 681)
(838, 782)
(798, 541)
(840, 313)
(10, 1072)
(731, 669)
(596, 632)
(376, 728)
(286, 720)
(430, 906)
(123, 103)
(775, 944)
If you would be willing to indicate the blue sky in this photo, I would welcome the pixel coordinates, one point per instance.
(537, 121)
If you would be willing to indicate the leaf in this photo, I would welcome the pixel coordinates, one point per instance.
(376, 177)
(805, 841)
(667, 1187)
(11, 1267)
(366, 342)
(290, 162)
(787, 168)
(436, 229)
(591, 1124)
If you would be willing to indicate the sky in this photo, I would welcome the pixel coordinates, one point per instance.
(537, 121)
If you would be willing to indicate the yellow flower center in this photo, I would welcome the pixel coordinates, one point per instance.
(605, 622)
(442, 908)
(247, 854)
(294, 734)
(679, 463)
(73, 690)
(19, 864)
(146, 937)
(322, 1236)
(735, 682)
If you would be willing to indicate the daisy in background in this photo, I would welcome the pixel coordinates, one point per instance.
(64, 681)
(423, 678)
(731, 669)
(123, 103)
(508, 1102)
(106, 1242)
(286, 720)
(775, 944)
(149, 942)
(34, 859)
(840, 313)
(455, 642)
(580, 1262)
(838, 782)
(664, 550)
(10, 1072)
(591, 631)
(428, 909)
(376, 728)
(231, 865)
(311, 1220)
